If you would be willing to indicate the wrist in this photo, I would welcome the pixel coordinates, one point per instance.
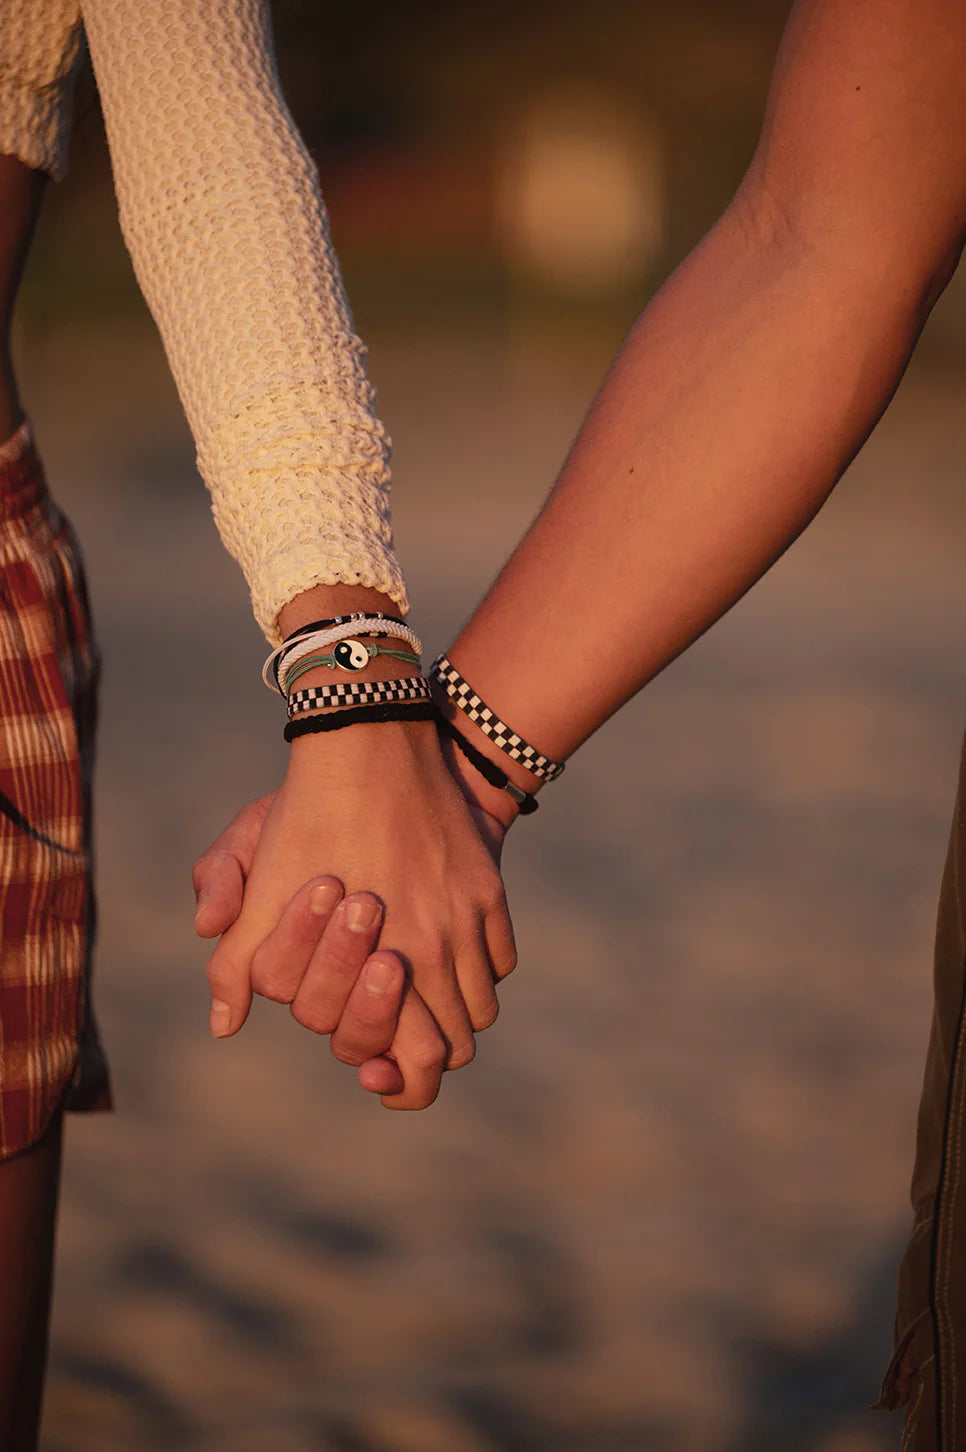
(477, 791)
(324, 604)
(512, 782)
(324, 601)
(356, 748)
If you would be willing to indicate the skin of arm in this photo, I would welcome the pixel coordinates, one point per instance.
(747, 385)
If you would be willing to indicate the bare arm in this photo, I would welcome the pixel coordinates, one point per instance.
(748, 384)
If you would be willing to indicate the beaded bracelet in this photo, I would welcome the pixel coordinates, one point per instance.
(358, 693)
(465, 699)
(349, 655)
(336, 720)
(341, 620)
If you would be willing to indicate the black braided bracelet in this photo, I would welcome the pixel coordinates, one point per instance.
(335, 720)
(526, 801)
(342, 620)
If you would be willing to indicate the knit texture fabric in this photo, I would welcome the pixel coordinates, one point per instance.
(221, 210)
(40, 53)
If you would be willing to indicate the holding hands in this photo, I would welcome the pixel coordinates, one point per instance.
(415, 875)
(387, 830)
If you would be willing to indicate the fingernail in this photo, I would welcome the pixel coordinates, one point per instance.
(219, 1020)
(361, 916)
(323, 898)
(379, 978)
(201, 904)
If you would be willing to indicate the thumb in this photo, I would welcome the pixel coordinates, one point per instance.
(218, 876)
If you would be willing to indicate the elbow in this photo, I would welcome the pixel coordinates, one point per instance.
(945, 264)
(904, 264)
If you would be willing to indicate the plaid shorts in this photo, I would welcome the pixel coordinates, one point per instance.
(50, 1055)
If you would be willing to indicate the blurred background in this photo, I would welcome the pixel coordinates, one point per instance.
(663, 1210)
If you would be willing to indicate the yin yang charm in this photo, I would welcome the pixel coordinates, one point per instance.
(351, 655)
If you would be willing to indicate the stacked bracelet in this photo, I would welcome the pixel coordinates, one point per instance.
(358, 693)
(349, 655)
(316, 625)
(301, 645)
(465, 699)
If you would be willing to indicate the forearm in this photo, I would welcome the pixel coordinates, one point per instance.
(749, 382)
(733, 407)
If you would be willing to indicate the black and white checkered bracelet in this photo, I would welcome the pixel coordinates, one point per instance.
(465, 699)
(358, 693)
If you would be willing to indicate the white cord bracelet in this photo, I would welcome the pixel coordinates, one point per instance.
(296, 650)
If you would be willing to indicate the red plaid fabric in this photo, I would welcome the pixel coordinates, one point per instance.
(50, 1055)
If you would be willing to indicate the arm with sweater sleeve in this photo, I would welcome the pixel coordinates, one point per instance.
(220, 207)
(41, 48)
(221, 210)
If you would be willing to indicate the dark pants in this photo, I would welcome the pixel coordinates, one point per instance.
(928, 1371)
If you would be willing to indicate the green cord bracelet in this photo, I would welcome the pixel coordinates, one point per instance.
(333, 664)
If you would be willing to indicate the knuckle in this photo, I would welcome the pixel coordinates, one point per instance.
(342, 953)
(311, 1017)
(372, 1014)
(462, 1054)
(268, 980)
(222, 974)
(269, 983)
(494, 897)
(346, 1054)
(485, 1018)
(429, 1055)
(506, 964)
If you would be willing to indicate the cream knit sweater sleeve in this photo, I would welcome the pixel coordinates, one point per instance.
(221, 211)
(40, 52)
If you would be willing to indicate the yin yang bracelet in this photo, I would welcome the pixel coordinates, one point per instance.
(297, 647)
(348, 655)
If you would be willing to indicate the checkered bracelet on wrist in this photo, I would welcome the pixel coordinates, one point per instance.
(465, 699)
(358, 693)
